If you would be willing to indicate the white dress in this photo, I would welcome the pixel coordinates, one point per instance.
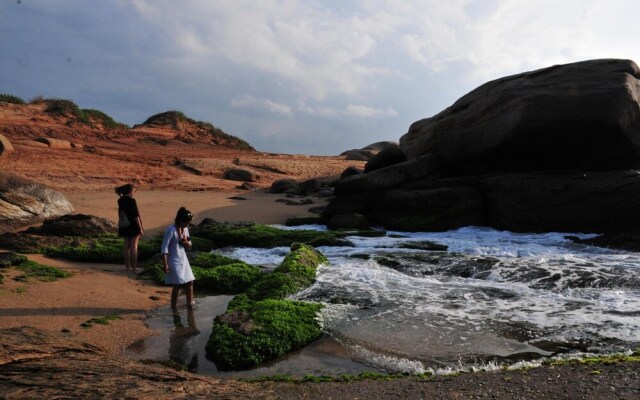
(179, 267)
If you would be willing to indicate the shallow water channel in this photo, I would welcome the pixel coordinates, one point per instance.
(184, 335)
(493, 298)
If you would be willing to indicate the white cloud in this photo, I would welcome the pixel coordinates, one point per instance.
(504, 37)
(359, 111)
(312, 48)
(247, 101)
(362, 111)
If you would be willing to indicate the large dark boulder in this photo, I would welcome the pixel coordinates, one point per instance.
(314, 185)
(358, 155)
(583, 116)
(285, 185)
(368, 152)
(380, 146)
(607, 201)
(549, 150)
(75, 225)
(350, 171)
(390, 155)
(24, 202)
(242, 175)
(435, 209)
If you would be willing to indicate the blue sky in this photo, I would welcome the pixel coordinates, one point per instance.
(294, 76)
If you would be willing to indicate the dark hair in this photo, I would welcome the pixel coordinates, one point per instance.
(183, 215)
(125, 189)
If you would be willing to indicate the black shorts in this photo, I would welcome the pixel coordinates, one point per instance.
(129, 231)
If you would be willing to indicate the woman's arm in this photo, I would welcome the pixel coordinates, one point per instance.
(165, 263)
(186, 239)
(164, 249)
(139, 222)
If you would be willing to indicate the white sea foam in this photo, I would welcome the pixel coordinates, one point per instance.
(541, 288)
(507, 312)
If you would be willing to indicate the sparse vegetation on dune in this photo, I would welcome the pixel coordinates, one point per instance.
(9, 98)
(97, 116)
(177, 120)
(69, 109)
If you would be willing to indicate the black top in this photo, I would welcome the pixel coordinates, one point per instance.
(128, 217)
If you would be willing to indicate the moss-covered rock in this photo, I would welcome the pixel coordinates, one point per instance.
(260, 324)
(230, 278)
(296, 272)
(7, 259)
(201, 244)
(100, 250)
(214, 273)
(262, 331)
(264, 236)
(209, 260)
(43, 273)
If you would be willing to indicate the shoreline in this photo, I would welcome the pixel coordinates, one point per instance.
(98, 290)
(158, 207)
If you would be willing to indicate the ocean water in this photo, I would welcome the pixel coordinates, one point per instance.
(493, 298)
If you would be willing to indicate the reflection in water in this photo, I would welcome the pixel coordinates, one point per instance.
(186, 334)
(182, 335)
(182, 341)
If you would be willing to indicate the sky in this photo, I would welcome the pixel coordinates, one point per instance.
(295, 76)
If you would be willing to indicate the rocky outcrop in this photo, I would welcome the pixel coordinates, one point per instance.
(36, 364)
(576, 116)
(24, 202)
(549, 150)
(289, 186)
(75, 225)
(242, 175)
(54, 143)
(390, 155)
(368, 152)
(5, 145)
(358, 155)
(314, 185)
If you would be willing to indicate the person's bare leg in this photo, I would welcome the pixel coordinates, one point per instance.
(174, 296)
(133, 253)
(189, 294)
(126, 252)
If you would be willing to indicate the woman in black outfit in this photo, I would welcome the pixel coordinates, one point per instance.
(129, 225)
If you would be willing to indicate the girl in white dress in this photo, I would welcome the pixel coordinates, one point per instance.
(176, 266)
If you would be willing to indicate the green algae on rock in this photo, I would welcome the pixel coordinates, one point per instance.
(43, 273)
(260, 324)
(263, 236)
(214, 273)
(262, 331)
(107, 249)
